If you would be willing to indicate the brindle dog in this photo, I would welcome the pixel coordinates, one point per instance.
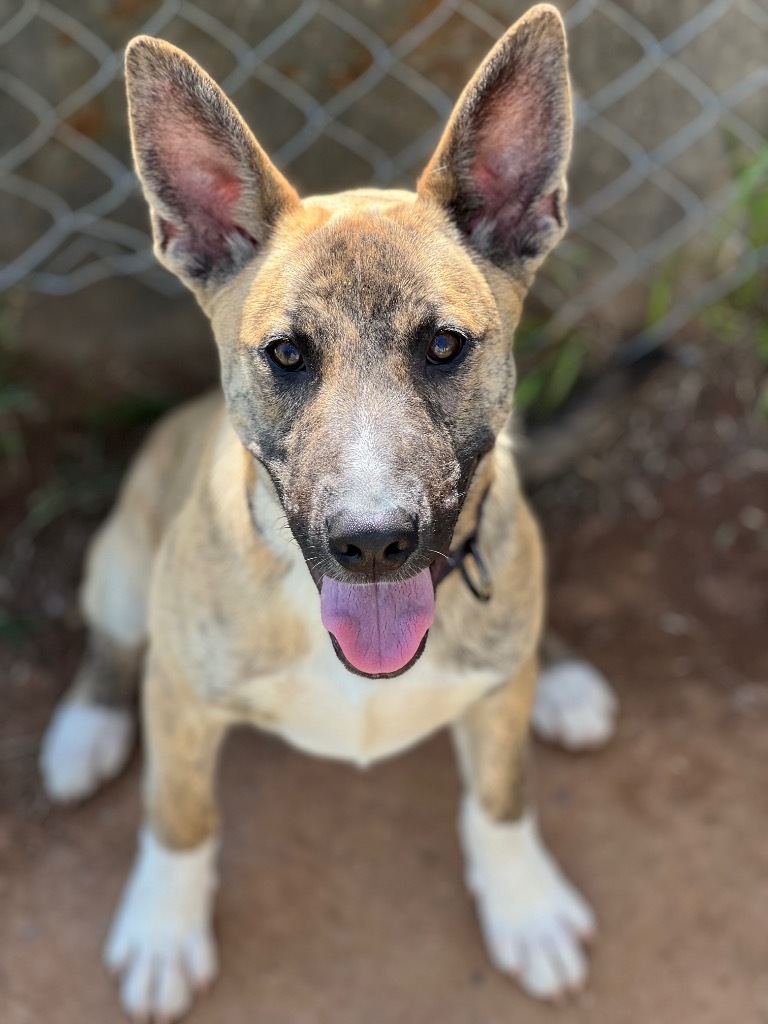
(280, 553)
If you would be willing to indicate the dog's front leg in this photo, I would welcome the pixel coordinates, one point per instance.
(161, 943)
(532, 918)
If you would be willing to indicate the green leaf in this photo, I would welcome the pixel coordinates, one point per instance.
(13, 628)
(563, 375)
(529, 390)
(761, 342)
(17, 399)
(659, 301)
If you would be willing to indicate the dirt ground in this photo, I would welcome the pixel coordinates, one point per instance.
(341, 899)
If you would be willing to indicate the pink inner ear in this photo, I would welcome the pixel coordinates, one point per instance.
(515, 156)
(200, 168)
(205, 188)
(202, 175)
(209, 199)
(494, 185)
(206, 182)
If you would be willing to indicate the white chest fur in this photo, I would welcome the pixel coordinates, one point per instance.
(323, 709)
(319, 706)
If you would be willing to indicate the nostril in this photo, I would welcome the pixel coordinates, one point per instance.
(397, 547)
(350, 551)
(399, 550)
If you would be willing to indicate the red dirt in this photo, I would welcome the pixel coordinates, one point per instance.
(341, 897)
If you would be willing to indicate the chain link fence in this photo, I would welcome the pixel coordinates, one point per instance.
(669, 172)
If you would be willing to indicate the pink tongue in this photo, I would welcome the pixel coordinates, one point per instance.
(378, 626)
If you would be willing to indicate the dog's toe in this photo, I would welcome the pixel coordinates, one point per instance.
(539, 947)
(157, 984)
(575, 707)
(84, 746)
(533, 920)
(161, 944)
(200, 960)
(553, 964)
(155, 988)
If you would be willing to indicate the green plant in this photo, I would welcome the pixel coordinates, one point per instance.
(741, 316)
(73, 489)
(16, 403)
(548, 372)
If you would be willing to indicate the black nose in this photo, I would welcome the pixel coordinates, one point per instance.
(374, 544)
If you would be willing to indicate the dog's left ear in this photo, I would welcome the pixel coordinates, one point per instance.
(499, 169)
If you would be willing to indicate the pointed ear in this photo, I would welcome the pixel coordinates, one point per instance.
(499, 169)
(213, 194)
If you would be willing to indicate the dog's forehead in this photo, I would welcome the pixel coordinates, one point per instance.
(367, 260)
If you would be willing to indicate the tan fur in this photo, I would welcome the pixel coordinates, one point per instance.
(183, 738)
(222, 611)
(492, 741)
(209, 555)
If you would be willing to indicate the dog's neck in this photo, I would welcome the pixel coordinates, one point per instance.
(477, 490)
(266, 511)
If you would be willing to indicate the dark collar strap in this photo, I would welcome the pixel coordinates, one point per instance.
(479, 580)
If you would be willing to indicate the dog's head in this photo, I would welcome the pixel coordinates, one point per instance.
(366, 337)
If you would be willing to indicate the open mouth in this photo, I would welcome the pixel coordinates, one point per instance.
(379, 629)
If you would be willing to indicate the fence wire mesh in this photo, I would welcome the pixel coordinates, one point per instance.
(671, 109)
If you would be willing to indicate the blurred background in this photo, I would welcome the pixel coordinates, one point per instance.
(669, 214)
(644, 389)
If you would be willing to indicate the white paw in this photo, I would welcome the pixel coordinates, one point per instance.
(533, 920)
(574, 707)
(84, 746)
(161, 944)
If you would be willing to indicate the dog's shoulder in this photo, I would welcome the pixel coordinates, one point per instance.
(219, 601)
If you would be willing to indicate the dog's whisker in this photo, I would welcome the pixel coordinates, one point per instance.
(433, 551)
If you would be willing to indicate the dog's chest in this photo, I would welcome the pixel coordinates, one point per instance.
(325, 710)
(317, 705)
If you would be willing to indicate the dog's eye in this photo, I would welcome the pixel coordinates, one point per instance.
(286, 355)
(444, 347)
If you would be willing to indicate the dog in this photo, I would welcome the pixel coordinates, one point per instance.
(337, 549)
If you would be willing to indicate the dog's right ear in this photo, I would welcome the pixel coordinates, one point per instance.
(213, 193)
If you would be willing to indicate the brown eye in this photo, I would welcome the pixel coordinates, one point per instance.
(444, 347)
(286, 355)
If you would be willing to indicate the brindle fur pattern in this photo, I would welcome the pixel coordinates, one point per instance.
(361, 280)
(370, 281)
(216, 548)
